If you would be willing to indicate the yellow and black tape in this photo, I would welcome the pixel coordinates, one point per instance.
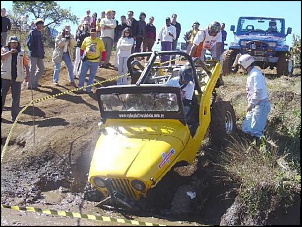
(78, 215)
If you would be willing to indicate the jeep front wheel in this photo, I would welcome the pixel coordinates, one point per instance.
(284, 65)
(223, 123)
(229, 57)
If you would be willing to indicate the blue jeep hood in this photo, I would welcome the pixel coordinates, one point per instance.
(260, 38)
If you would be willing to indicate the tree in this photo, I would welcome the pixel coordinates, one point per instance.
(51, 13)
(296, 50)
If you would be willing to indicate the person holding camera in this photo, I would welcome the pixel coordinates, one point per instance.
(64, 45)
(81, 33)
(13, 65)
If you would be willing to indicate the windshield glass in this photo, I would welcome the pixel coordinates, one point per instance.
(139, 102)
(261, 25)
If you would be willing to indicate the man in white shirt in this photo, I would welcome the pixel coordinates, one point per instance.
(257, 98)
(166, 35)
(211, 39)
(186, 84)
(107, 35)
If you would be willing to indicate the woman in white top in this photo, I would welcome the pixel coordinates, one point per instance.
(123, 51)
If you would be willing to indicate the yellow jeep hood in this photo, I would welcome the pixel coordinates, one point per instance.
(133, 151)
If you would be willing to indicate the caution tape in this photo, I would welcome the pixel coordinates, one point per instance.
(78, 215)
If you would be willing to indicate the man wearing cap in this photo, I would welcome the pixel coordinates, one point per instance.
(13, 63)
(64, 44)
(107, 35)
(5, 26)
(210, 39)
(190, 35)
(92, 52)
(166, 35)
(34, 42)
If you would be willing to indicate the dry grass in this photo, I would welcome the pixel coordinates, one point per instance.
(263, 175)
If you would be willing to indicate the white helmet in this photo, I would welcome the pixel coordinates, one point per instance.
(245, 60)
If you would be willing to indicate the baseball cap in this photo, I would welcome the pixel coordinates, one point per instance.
(39, 20)
(108, 11)
(168, 19)
(13, 39)
(196, 22)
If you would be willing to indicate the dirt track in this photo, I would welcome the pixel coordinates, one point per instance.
(48, 156)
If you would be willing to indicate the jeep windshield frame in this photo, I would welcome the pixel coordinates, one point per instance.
(140, 102)
(260, 25)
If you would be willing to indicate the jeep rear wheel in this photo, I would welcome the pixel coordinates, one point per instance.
(223, 123)
(284, 65)
(229, 57)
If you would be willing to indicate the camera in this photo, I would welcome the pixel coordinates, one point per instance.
(67, 37)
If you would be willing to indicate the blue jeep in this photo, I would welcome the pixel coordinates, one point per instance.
(263, 38)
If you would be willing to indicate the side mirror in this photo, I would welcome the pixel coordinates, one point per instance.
(289, 31)
(233, 29)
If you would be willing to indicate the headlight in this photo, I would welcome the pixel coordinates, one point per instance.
(99, 182)
(243, 43)
(271, 44)
(138, 185)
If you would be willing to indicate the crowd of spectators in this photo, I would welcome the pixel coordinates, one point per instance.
(93, 42)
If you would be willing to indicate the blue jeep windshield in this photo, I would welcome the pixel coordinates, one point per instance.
(259, 25)
(140, 102)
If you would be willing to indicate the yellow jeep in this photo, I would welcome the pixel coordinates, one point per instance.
(144, 133)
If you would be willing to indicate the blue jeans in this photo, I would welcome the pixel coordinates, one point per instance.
(35, 74)
(255, 120)
(165, 45)
(67, 60)
(16, 93)
(122, 70)
(93, 66)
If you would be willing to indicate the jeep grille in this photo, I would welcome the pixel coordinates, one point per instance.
(124, 186)
(256, 46)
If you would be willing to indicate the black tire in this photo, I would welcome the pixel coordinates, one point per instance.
(223, 123)
(229, 57)
(283, 65)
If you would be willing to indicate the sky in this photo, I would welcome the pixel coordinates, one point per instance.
(190, 11)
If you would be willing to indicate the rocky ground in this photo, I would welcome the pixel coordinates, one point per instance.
(46, 163)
